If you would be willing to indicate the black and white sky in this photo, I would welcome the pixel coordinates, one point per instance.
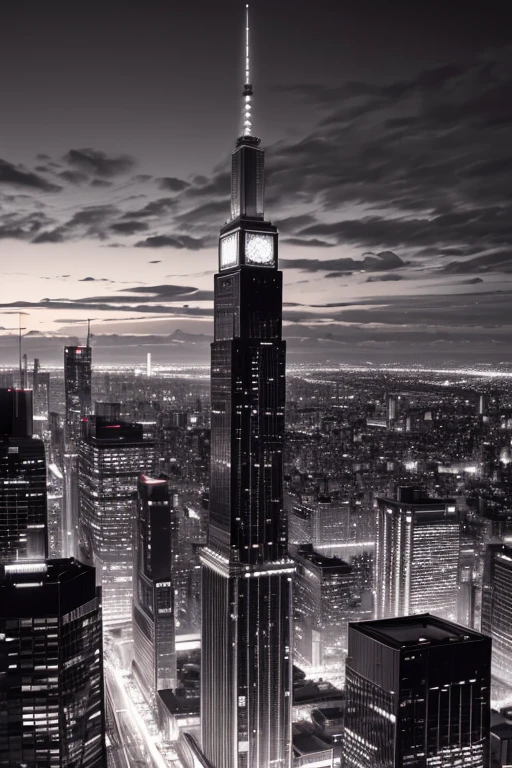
(387, 129)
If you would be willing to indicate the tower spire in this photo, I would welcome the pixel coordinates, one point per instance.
(247, 105)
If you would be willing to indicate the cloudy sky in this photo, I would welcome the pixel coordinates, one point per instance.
(389, 164)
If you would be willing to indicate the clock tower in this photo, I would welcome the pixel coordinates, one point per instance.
(247, 577)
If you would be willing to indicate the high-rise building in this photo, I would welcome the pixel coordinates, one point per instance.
(77, 385)
(154, 657)
(23, 502)
(112, 456)
(51, 666)
(246, 659)
(497, 609)
(418, 694)
(325, 600)
(417, 555)
(41, 387)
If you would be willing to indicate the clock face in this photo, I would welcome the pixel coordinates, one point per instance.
(229, 251)
(259, 248)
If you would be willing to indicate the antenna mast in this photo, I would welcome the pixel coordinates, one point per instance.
(247, 118)
(88, 343)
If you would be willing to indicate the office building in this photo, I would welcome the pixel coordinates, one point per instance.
(497, 608)
(111, 458)
(23, 502)
(154, 658)
(51, 662)
(418, 694)
(326, 598)
(417, 555)
(246, 659)
(77, 386)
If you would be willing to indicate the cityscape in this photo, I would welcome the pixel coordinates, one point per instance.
(242, 540)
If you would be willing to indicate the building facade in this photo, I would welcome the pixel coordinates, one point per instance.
(154, 656)
(417, 555)
(23, 495)
(112, 456)
(51, 659)
(418, 694)
(77, 388)
(325, 600)
(497, 608)
(246, 659)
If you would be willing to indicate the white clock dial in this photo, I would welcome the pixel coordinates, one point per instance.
(229, 251)
(259, 248)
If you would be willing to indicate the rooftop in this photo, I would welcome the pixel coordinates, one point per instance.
(415, 630)
(336, 564)
(43, 572)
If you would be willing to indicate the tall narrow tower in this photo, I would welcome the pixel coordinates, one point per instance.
(246, 672)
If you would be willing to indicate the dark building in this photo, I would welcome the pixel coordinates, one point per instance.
(51, 666)
(154, 656)
(417, 555)
(112, 456)
(497, 608)
(23, 502)
(77, 385)
(324, 603)
(418, 694)
(246, 665)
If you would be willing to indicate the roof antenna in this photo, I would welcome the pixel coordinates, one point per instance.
(247, 119)
(88, 344)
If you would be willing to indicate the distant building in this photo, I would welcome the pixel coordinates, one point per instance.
(418, 694)
(77, 387)
(417, 555)
(325, 600)
(112, 456)
(497, 608)
(153, 616)
(23, 502)
(51, 662)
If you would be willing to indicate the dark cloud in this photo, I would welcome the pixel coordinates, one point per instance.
(128, 227)
(154, 209)
(93, 280)
(53, 236)
(20, 226)
(170, 292)
(172, 184)
(370, 262)
(101, 183)
(84, 304)
(16, 175)
(384, 278)
(74, 177)
(90, 222)
(99, 163)
(499, 261)
(172, 241)
(155, 261)
(313, 242)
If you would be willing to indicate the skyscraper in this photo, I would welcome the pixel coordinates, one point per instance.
(112, 456)
(418, 694)
(246, 664)
(417, 555)
(154, 656)
(23, 502)
(77, 384)
(51, 664)
(497, 608)
(325, 602)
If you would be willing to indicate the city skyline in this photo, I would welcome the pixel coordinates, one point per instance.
(297, 558)
(395, 146)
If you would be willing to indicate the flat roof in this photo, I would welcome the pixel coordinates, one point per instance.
(416, 630)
